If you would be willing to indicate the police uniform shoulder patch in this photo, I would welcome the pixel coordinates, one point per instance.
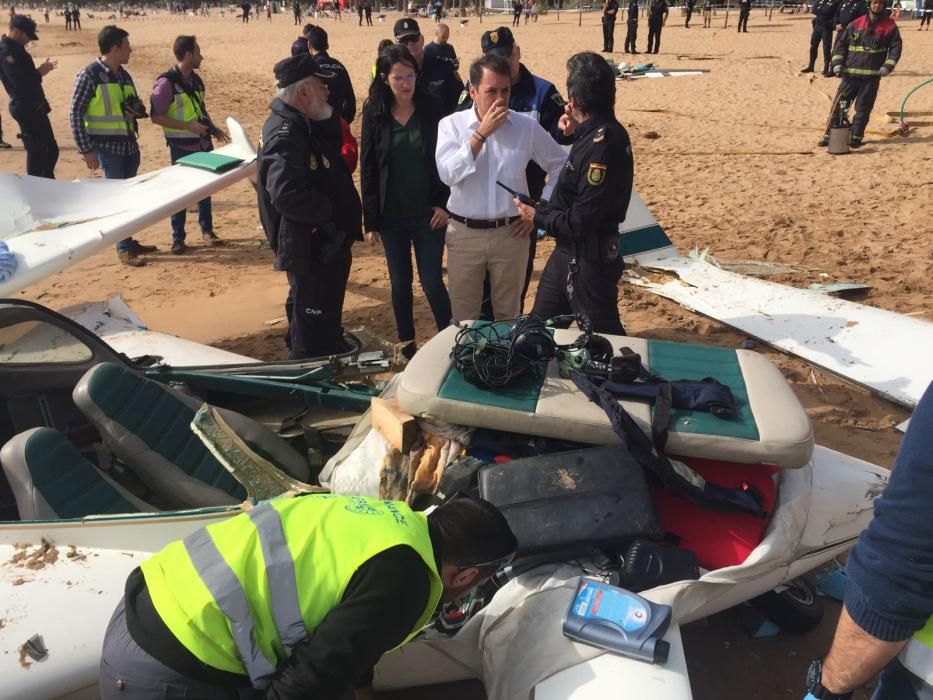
(9, 59)
(493, 37)
(260, 141)
(596, 174)
(285, 128)
(312, 162)
(600, 135)
(325, 162)
(558, 100)
(463, 96)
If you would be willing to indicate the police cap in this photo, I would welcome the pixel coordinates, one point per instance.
(291, 70)
(498, 41)
(25, 24)
(406, 27)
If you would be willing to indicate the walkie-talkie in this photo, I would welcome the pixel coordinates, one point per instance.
(523, 198)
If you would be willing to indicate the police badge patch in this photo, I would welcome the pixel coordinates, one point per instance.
(325, 161)
(312, 162)
(596, 174)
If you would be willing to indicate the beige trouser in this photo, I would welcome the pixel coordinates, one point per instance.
(470, 254)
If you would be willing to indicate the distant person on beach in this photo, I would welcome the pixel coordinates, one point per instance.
(707, 13)
(177, 104)
(657, 18)
(688, 8)
(341, 96)
(76, 17)
(368, 11)
(67, 14)
(865, 52)
(823, 12)
(28, 105)
(516, 12)
(296, 12)
(610, 10)
(745, 9)
(247, 8)
(104, 112)
(926, 15)
(631, 27)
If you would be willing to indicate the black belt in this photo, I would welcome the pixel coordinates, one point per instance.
(483, 223)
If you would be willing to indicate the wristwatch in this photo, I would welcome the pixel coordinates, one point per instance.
(815, 685)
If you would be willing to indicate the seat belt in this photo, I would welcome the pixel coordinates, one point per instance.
(673, 474)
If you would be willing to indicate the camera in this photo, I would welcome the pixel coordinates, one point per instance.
(134, 107)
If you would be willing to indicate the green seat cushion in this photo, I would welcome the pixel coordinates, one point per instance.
(161, 420)
(674, 361)
(68, 482)
(521, 395)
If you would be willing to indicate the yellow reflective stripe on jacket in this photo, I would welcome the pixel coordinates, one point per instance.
(855, 48)
(861, 71)
(104, 114)
(240, 594)
(917, 656)
(184, 109)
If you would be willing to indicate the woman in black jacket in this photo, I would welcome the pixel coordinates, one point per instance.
(403, 197)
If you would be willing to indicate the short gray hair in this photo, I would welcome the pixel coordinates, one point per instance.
(288, 93)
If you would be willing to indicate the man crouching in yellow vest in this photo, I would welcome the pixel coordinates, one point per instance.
(297, 598)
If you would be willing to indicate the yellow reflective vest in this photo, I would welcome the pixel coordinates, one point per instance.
(917, 656)
(187, 104)
(104, 117)
(241, 594)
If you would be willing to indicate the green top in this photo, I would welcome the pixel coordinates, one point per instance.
(409, 188)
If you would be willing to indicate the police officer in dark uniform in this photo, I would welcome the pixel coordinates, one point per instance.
(28, 106)
(745, 9)
(610, 10)
(631, 32)
(308, 206)
(540, 100)
(848, 11)
(439, 77)
(824, 11)
(588, 204)
(341, 97)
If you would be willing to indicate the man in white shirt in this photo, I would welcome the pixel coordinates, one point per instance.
(475, 148)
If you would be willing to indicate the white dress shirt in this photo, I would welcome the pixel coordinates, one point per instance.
(504, 157)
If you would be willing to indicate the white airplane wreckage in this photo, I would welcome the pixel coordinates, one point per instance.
(118, 440)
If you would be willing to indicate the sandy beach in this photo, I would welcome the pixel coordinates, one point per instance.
(727, 160)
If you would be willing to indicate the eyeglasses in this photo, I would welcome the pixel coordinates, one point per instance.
(409, 39)
(499, 563)
(410, 78)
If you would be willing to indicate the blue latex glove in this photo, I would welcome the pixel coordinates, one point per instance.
(7, 262)
(810, 697)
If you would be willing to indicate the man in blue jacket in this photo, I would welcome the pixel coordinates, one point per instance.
(886, 625)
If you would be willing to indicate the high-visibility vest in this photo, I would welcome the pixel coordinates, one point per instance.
(104, 116)
(187, 104)
(241, 594)
(917, 656)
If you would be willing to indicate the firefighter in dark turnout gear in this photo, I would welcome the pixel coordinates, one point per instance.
(588, 204)
(865, 51)
(308, 206)
(28, 106)
(824, 12)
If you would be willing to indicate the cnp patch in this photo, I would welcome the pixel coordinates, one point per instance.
(312, 162)
(493, 37)
(596, 174)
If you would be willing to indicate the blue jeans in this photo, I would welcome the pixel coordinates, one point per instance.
(117, 167)
(398, 237)
(205, 218)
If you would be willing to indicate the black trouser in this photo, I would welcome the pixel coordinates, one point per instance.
(609, 30)
(821, 34)
(631, 34)
(863, 90)
(743, 19)
(516, 16)
(595, 291)
(315, 306)
(38, 140)
(486, 313)
(654, 35)
(689, 15)
(369, 17)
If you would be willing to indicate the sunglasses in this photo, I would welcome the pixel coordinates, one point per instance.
(409, 39)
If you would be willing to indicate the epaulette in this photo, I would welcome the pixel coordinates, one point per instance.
(600, 134)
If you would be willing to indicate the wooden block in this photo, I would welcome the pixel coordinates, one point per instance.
(394, 424)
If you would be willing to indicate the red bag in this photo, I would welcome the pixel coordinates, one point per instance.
(349, 148)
